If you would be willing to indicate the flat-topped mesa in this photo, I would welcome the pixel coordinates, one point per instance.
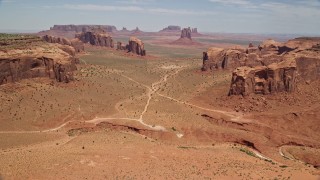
(75, 43)
(40, 59)
(83, 28)
(277, 77)
(186, 33)
(171, 28)
(136, 46)
(96, 38)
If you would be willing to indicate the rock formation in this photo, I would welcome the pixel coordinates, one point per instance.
(171, 29)
(186, 33)
(75, 43)
(281, 67)
(83, 28)
(266, 53)
(22, 59)
(276, 77)
(185, 38)
(121, 46)
(96, 38)
(218, 58)
(136, 46)
(124, 30)
(194, 30)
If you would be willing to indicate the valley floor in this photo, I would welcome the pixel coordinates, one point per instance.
(131, 118)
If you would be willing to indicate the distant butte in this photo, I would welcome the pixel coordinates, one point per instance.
(186, 38)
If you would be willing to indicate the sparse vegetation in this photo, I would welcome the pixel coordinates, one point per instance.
(248, 152)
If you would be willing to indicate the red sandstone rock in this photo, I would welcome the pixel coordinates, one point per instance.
(96, 38)
(37, 60)
(276, 77)
(75, 43)
(136, 46)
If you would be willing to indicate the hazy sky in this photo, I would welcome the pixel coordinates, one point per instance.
(242, 16)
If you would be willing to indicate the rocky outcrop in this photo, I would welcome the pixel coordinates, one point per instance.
(282, 65)
(186, 33)
(75, 43)
(38, 59)
(265, 54)
(136, 46)
(276, 77)
(218, 58)
(83, 28)
(96, 38)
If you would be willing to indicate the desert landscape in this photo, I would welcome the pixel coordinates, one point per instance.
(104, 102)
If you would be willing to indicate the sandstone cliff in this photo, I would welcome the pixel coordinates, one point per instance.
(96, 38)
(21, 59)
(276, 77)
(136, 46)
(282, 65)
(266, 53)
(218, 58)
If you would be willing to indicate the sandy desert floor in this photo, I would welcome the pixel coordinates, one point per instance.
(127, 117)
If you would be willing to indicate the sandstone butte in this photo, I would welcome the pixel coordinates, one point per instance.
(135, 46)
(96, 37)
(186, 37)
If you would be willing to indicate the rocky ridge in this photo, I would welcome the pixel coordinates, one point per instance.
(75, 43)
